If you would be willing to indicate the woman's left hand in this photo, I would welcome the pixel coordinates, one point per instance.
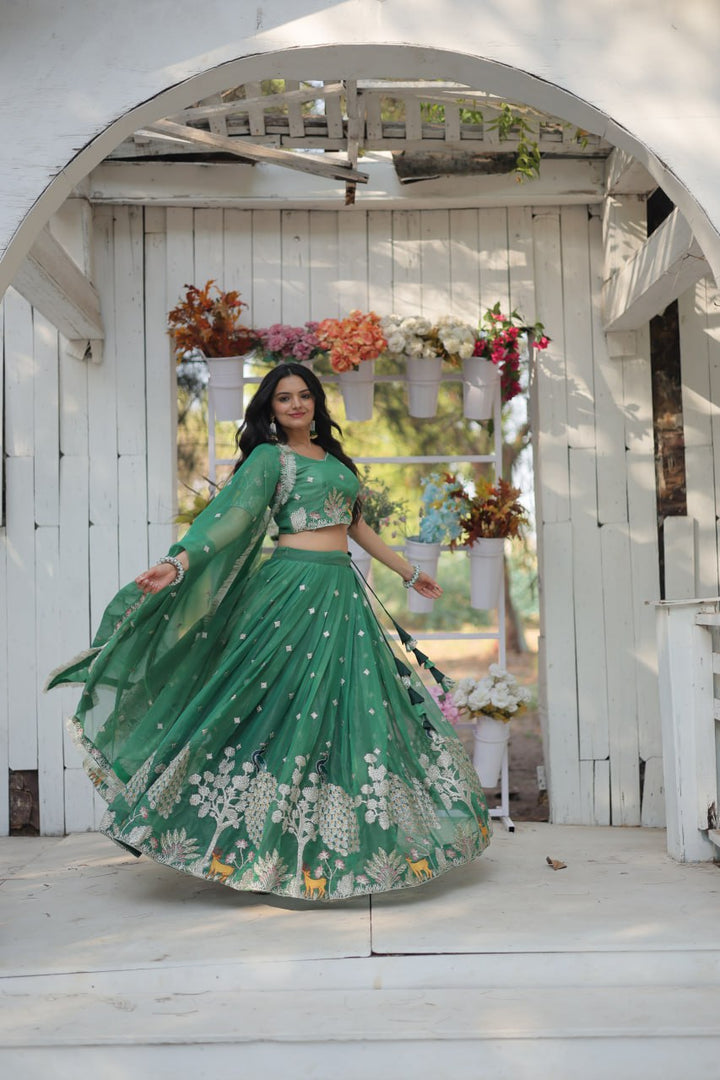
(428, 587)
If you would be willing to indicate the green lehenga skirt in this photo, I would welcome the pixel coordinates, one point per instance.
(280, 746)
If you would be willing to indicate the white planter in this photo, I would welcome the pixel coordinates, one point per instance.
(225, 386)
(360, 557)
(481, 387)
(491, 739)
(358, 388)
(426, 556)
(486, 572)
(423, 384)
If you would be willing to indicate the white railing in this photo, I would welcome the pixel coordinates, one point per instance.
(688, 634)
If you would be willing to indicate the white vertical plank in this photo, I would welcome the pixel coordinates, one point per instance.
(380, 261)
(701, 507)
(637, 396)
(209, 243)
(712, 330)
(586, 813)
(406, 262)
(324, 263)
(102, 413)
(551, 450)
(267, 262)
(21, 624)
(49, 631)
(557, 619)
(493, 257)
(578, 326)
(238, 273)
(645, 565)
(588, 600)
(609, 413)
(679, 545)
(104, 579)
(132, 502)
(79, 816)
(19, 376)
(74, 580)
(2, 412)
(353, 262)
(697, 405)
(520, 255)
(295, 282)
(46, 425)
(161, 389)
(435, 263)
(130, 329)
(4, 696)
(464, 266)
(653, 802)
(622, 721)
(179, 252)
(601, 801)
(160, 537)
(73, 403)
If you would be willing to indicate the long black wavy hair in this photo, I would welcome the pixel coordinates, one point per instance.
(255, 428)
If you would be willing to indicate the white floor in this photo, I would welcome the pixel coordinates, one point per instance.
(505, 969)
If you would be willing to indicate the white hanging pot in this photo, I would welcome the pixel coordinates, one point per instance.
(423, 385)
(486, 572)
(481, 386)
(491, 739)
(360, 557)
(426, 556)
(225, 386)
(358, 388)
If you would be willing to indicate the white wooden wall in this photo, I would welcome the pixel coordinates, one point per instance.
(90, 481)
(90, 465)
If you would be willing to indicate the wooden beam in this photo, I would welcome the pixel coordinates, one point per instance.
(669, 262)
(211, 108)
(285, 158)
(626, 176)
(54, 284)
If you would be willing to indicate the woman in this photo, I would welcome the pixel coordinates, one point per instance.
(247, 721)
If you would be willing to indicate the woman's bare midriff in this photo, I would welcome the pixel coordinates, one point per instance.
(331, 538)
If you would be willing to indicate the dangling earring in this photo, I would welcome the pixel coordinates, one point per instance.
(313, 430)
(273, 430)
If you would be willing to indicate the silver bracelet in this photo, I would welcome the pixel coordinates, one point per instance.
(179, 569)
(411, 580)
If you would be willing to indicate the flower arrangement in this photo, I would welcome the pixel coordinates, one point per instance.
(443, 504)
(444, 701)
(457, 338)
(498, 695)
(352, 340)
(280, 342)
(499, 339)
(411, 336)
(203, 324)
(493, 511)
(379, 509)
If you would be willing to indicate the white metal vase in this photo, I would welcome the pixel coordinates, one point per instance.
(486, 572)
(360, 557)
(423, 376)
(426, 556)
(358, 389)
(481, 386)
(491, 738)
(225, 386)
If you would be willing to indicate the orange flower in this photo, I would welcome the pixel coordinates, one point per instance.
(352, 340)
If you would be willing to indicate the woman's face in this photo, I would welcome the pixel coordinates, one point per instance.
(293, 405)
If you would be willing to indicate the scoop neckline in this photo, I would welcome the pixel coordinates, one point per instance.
(305, 457)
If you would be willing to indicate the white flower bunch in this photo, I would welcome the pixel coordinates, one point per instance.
(408, 336)
(498, 695)
(457, 338)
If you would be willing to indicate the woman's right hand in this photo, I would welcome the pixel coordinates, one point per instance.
(156, 578)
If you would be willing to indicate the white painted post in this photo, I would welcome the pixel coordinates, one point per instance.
(688, 727)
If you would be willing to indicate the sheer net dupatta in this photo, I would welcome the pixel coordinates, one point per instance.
(223, 544)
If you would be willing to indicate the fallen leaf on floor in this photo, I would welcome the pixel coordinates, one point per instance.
(555, 863)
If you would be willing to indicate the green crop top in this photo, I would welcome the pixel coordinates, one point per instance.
(321, 493)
